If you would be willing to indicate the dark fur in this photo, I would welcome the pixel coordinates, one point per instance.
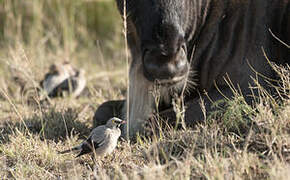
(227, 35)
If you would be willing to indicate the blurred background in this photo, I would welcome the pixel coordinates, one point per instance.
(237, 142)
(35, 34)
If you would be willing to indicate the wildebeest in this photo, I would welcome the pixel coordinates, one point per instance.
(207, 42)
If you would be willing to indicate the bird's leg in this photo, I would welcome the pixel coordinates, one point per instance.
(98, 163)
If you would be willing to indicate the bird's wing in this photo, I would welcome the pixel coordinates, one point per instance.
(99, 134)
(68, 85)
(88, 147)
(95, 140)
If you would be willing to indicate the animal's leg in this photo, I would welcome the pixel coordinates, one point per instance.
(140, 101)
(108, 110)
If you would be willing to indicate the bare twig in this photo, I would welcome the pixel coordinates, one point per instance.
(282, 42)
(128, 68)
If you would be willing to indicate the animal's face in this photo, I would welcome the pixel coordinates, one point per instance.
(157, 28)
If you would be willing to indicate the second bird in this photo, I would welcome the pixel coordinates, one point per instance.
(63, 78)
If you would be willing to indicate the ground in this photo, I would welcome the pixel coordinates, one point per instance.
(236, 142)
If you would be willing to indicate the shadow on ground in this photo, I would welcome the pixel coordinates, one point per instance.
(53, 125)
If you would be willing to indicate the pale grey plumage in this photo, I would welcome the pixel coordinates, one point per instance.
(73, 84)
(102, 140)
(63, 78)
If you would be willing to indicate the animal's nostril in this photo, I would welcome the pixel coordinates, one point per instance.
(158, 66)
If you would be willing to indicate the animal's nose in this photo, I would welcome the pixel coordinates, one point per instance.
(158, 65)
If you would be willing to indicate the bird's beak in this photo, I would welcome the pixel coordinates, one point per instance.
(123, 122)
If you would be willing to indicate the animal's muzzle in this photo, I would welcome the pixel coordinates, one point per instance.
(168, 67)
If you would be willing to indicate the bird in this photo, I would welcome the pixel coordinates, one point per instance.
(63, 78)
(74, 85)
(102, 140)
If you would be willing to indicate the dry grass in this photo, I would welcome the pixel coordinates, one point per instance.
(237, 142)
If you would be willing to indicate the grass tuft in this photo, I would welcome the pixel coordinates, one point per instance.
(239, 141)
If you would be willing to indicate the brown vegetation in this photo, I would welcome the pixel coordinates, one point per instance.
(237, 142)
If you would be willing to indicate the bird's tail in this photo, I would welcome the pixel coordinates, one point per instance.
(77, 148)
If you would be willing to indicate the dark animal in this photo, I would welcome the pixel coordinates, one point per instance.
(175, 42)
